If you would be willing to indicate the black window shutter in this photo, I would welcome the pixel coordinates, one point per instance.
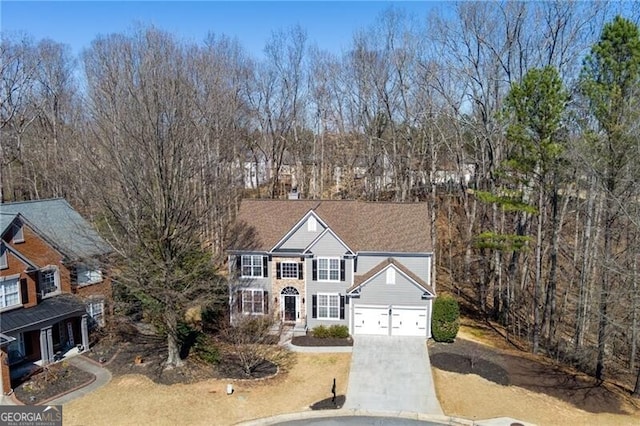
(342, 307)
(314, 306)
(265, 298)
(265, 266)
(342, 270)
(239, 300)
(238, 265)
(24, 289)
(300, 268)
(314, 268)
(278, 274)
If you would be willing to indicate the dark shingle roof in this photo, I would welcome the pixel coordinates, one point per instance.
(49, 310)
(363, 226)
(5, 220)
(61, 225)
(359, 280)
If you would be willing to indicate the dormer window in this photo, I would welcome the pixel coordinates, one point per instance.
(18, 236)
(49, 282)
(88, 275)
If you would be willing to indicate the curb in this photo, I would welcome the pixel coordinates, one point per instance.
(306, 415)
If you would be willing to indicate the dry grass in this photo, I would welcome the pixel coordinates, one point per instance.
(136, 400)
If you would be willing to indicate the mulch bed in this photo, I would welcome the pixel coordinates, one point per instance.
(309, 340)
(53, 381)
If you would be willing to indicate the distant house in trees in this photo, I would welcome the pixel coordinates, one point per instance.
(53, 285)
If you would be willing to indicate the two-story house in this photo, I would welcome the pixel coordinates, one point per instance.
(308, 263)
(53, 286)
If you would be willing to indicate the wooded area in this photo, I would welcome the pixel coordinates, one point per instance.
(516, 122)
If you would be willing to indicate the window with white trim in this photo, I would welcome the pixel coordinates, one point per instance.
(49, 282)
(95, 309)
(328, 269)
(253, 301)
(252, 266)
(328, 306)
(289, 270)
(10, 291)
(88, 275)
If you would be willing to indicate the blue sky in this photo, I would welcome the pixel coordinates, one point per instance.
(329, 24)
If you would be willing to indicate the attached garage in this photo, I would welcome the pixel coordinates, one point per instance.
(391, 301)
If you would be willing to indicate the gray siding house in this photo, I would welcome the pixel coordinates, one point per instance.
(309, 263)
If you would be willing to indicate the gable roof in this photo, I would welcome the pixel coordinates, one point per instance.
(6, 219)
(60, 225)
(362, 225)
(360, 280)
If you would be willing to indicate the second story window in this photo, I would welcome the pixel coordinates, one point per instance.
(328, 269)
(18, 235)
(253, 266)
(9, 291)
(289, 270)
(49, 282)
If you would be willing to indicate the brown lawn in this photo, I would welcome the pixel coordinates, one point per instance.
(135, 400)
(536, 391)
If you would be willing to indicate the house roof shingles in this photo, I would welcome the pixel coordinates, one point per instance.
(60, 224)
(47, 311)
(363, 226)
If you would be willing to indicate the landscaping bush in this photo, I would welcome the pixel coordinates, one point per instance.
(335, 331)
(339, 331)
(446, 319)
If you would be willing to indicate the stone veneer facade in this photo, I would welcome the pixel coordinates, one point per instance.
(279, 284)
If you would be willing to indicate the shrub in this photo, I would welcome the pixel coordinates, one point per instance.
(446, 319)
(321, 332)
(335, 331)
(339, 331)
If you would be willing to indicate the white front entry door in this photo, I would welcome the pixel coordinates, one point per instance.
(408, 321)
(371, 320)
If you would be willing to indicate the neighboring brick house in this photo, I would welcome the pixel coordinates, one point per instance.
(308, 263)
(53, 286)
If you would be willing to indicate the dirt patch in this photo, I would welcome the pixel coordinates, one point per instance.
(52, 381)
(135, 399)
(316, 341)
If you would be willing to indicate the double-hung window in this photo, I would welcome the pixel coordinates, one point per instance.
(329, 269)
(252, 266)
(95, 309)
(253, 301)
(9, 291)
(328, 306)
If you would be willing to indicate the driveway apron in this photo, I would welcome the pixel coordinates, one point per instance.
(390, 373)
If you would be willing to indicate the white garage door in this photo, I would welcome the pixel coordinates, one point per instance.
(408, 321)
(371, 320)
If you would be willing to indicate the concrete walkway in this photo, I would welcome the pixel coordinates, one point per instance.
(103, 376)
(391, 374)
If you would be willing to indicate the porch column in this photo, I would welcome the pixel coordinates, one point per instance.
(84, 329)
(46, 345)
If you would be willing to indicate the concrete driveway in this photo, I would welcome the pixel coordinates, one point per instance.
(391, 373)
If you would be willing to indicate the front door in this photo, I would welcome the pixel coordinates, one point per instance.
(290, 307)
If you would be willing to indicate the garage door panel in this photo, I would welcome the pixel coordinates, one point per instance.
(371, 320)
(408, 321)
